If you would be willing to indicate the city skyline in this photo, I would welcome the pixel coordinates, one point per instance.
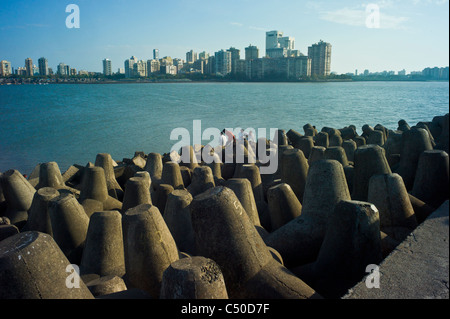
(413, 34)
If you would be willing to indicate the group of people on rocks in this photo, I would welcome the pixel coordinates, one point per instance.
(227, 137)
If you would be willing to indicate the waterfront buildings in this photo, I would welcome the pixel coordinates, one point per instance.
(107, 67)
(251, 53)
(222, 62)
(43, 67)
(191, 57)
(62, 69)
(5, 68)
(140, 69)
(278, 46)
(235, 56)
(129, 67)
(155, 54)
(320, 54)
(203, 55)
(29, 67)
(153, 66)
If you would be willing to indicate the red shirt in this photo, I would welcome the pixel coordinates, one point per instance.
(230, 136)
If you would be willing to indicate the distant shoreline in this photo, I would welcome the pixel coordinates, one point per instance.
(101, 81)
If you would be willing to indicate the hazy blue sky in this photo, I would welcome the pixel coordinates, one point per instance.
(413, 34)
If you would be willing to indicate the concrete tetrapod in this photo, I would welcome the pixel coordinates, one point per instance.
(225, 234)
(202, 179)
(432, 176)
(106, 285)
(251, 172)
(147, 179)
(305, 145)
(369, 160)
(352, 242)
(317, 153)
(299, 240)
(38, 216)
(294, 137)
(50, 176)
(105, 161)
(193, 278)
(161, 194)
(69, 225)
(19, 195)
(388, 193)
(321, 139)
(279, 151)
(349, 148)
(171, 175)
(294, 171)
(178, 219)
(103, 250)
(32, 266)
(188, 158)
(94, 187)
(414, 142)
(137, 191)
(242, 188)
(186, 175)
(149, 248)
(283, 205)
(337, 153)
(154, 166)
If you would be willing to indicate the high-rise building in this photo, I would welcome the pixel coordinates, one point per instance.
(155, 54)
(107, 67)
(223, 62)
(62, 69)
(153, 66)
(251, 53)
(235, 56)
(287, 42)
(29, 67)
(129, 67)
(140, 68)
(278, 46)
(272, 39)
(5, 68)
(43, 67)
(191, 56)
(203, 55)
(320, 54)
(67, 69)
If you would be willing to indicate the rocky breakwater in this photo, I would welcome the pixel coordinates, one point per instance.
(155, 226)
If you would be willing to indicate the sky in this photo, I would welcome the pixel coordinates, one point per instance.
(410, 35)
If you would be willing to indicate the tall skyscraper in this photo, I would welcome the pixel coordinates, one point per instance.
(223, 62)
(140, 68)
(278, 46)
(251, 53)
(43, 67)
(191, 56)
(203, 55)
(235, 56)
(107, 67)
(155, 54)
(5, 68)
(62, 69)
(29, 67)
(320, 54)
(129, 67)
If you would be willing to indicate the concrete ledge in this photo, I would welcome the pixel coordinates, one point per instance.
(418, 268)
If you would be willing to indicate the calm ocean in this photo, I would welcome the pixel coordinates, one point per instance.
(73, 123)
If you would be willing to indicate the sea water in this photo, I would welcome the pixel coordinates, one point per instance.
(72, 123)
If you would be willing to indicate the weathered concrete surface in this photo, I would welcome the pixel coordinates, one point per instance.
(418, 268)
